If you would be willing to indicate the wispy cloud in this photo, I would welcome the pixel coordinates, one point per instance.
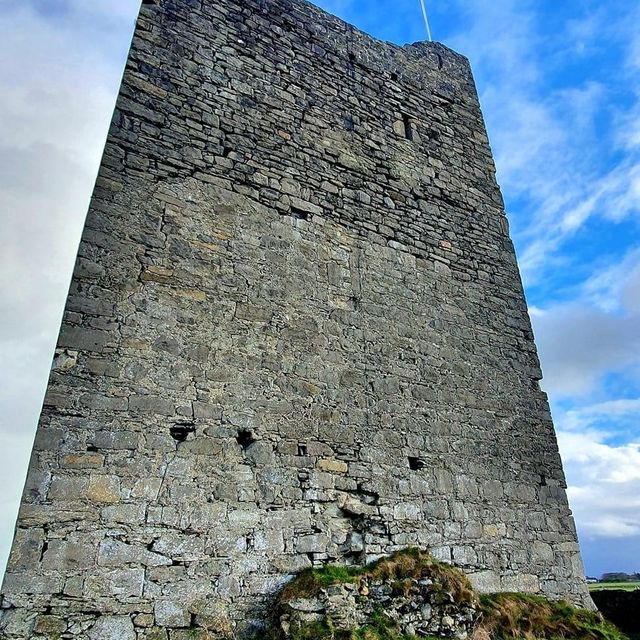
(553, 146)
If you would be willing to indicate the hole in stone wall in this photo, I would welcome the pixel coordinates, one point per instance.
(245, 438)
(352, 57)
(302, 449)
(299, 214)
(394, 76)
(92, 448)
(415, 464)
(408, 127)
(179, 432)
(368, 497)
(349, 124)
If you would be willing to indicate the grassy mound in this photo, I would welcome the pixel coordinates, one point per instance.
(501, 616)
(510, 616)
(400, 569)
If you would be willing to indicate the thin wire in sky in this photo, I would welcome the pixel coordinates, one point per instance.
(426, 20)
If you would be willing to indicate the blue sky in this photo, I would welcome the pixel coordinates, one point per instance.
(559, 84)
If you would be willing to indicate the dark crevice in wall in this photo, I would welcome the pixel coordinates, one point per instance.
(45, 547)
(368, 497)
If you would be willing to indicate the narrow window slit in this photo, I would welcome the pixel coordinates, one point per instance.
(302, 449)
(408, 127)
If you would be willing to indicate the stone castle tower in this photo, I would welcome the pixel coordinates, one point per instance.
(296, 333)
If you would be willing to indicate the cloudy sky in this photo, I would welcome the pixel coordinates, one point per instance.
(560, 88)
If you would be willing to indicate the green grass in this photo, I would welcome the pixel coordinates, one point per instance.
(624, 586)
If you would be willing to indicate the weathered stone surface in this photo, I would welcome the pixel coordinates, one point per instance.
(171, 614)
(295, 334)
(113, 628)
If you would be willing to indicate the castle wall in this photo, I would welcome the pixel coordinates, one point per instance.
(295, 334)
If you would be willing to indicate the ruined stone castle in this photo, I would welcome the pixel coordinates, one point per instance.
(296, 334)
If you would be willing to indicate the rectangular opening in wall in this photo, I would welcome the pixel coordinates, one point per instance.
(299, 214)
(408, 129)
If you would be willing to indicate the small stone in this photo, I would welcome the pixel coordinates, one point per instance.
(306, 604)
(143, 620)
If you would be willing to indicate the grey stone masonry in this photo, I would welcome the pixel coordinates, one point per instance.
(296, 334)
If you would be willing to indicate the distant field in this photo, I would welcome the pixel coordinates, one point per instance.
(625, 586)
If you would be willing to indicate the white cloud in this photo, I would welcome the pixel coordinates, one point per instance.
(549, 144)
(57, 97)
(579, 345)
(604, 481)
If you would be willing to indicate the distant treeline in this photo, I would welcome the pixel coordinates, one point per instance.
(615, 576)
